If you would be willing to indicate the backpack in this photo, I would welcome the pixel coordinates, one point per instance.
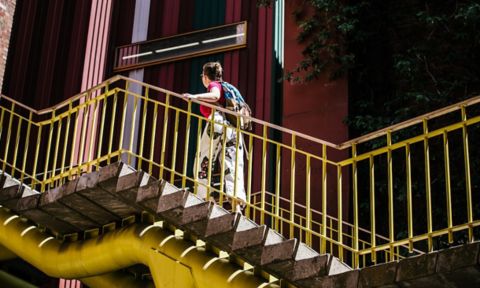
(235, 103)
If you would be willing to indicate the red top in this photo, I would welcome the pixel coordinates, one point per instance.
(206, 111)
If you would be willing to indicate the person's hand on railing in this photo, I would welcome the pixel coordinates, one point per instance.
(187, 96)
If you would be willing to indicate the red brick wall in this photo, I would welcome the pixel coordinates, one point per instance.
(7, 8)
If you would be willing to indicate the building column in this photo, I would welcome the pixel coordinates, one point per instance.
(139, 34)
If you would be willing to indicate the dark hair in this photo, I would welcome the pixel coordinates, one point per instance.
(213, 70)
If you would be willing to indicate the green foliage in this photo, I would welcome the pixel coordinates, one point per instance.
(402, 59)
(426, 59)
(325, 26)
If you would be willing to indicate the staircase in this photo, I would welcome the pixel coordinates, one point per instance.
(103, 178)
(117, 196)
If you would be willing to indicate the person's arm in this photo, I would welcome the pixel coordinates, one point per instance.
(212, 96)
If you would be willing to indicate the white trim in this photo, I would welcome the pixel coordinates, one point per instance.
(45, 241)
(177, 47)
(223, 38)
(137, 55)
(5, 223)
(26, 230)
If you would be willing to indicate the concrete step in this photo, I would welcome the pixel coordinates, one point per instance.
(12, 191)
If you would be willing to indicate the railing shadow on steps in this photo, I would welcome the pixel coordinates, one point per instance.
(338, 199)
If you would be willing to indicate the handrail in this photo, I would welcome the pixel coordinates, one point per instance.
(340, 146)
(121, 77)
(410, 122)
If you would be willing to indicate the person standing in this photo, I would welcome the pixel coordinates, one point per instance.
(233, 164)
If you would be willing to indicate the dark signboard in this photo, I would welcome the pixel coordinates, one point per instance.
(196, 43)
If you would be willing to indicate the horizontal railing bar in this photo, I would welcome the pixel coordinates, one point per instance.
(410, 122)
(416, 139)
(18, 116)
(348, 224)
(421, 237)
(341, 146)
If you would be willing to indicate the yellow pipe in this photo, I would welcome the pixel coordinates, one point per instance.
(173, 262)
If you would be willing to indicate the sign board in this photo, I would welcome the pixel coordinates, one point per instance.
(193, 44)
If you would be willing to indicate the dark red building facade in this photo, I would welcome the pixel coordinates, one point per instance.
(60, 48)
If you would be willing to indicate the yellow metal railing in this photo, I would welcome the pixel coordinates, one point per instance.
(338, 199)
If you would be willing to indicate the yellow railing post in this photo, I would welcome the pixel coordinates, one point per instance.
(17, 140)
(152, 139)
(391, 223)
(74, 153)
(197, 156)
(278, 176)
(132, 129)
(187, 140)
(408, 171)
(237, 147)
(324, 199)
(112, 121)
(468, 184)
(308, 220)
(55, 153)
(264, 174)
(292, 186)
(249, 173)
(83, 134)
(93, 132)
(35, 160)
(426, 149)
(102, 123)
(142, 125)
(448, 190)
(27, 145)
(340, 212)
(222, 165)
(122, 122)
(174, 152)
(65, 141)
(355, 207)
(372, 210)
(47, 157)
(210, 153)
(164, 135)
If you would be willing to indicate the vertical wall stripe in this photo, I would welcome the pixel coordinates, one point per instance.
(20, 63)
(140, 31)
(264, 59)
(95, 59)
(76, 49)
(277, 63)
(231, 59)
(49, 51)
(45, 62)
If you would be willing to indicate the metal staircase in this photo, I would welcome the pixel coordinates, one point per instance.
(106, 180)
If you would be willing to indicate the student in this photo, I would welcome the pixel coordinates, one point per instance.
(211, 79)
